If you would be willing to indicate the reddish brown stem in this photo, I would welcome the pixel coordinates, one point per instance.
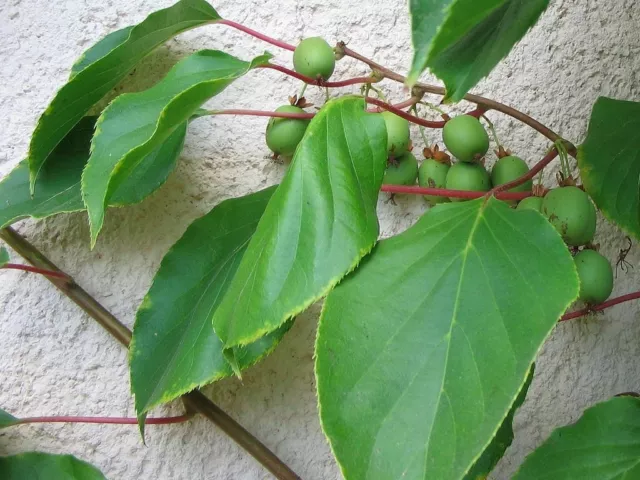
(601, 306)
(548, 158)
(443, 192)
(41, 271)
(261, 113)
(417, 120)
(253, 33)
(319, 82)
(106, 420)
(483, 102)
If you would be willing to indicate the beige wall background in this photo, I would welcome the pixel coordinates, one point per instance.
(55, 360)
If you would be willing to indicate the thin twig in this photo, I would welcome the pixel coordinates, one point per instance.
(483, 102)
(318, 81)
(27, 268)
(548, 158)
(261, 113)
(443, 192)
(601, 306)
(194, 401)
(105, 420)
(261, 36)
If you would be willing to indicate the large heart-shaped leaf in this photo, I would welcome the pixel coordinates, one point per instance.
(135, 124)
(58, 185)
(4, 259)
(317, 226)
(603, 445)
(502, 439)
(102, 67)
(38, 465)
(6, 419)
(174, 348)
(421, 352)
(609, 161)
(461, 41)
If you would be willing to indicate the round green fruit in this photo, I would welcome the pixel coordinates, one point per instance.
(284, 134)
(314, 58)
(397, 133)
(465, 137)
(571, 212)
(507, 169)
(596, 276)
(468, 176)
(530, 203)
(401, 170)
(433, 174)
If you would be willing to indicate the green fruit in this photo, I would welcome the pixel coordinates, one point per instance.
(465, 137)
(571, 212)
(596, 276)
(397, 133)
(530, 203)
(507, 169)
(284, 134)
(314, 58)
(401, 170)
(433, 174)
(468, 176)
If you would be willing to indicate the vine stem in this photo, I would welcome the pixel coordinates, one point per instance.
(253, 33)
(547, 159)
(601, 306)
(483, 102)
(41, 271)
(194, 401)
(443, 192)
(261, 113)
(106, 420)
(319, 82)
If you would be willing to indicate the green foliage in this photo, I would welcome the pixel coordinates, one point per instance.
(609, 161)
(604, 444)
(174, 348)
(6, 419)
(4, 259)
(502, 440)
(461, 41)
(422, 351)
(38, 465)
(58, 185)
(317, 226)
(112, 59)
(135, 124)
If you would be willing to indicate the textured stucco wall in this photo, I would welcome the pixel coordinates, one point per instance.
(55, 360)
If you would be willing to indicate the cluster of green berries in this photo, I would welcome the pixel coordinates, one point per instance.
(567, 208)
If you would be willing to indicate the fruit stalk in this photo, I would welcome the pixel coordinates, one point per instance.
(601, 306)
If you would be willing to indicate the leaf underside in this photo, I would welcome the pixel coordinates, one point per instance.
(604, 444)
(461, 41)
(421, 352)
(38, 465)
(6, 419)
(58, 186)
(102, 67)
(609, 161)
(174, 348)
(134, 124)
(319, 223)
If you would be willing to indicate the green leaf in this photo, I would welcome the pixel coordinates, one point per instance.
(609, 161)
(4, 259)
(134, 124)
(113, 58)
(174, 348)
(502, 440)
(6, 419)
(461, 41)
(604, 444)
(421, 352)
(317, 226)
(58, 186)
(38, 465)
